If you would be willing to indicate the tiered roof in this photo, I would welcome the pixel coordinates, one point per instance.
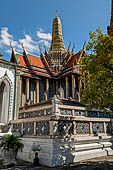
(55, 63)
(32, 65)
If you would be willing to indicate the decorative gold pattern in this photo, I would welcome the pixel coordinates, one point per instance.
(57, 44)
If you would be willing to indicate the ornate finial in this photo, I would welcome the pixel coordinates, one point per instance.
(23, 45)
(11, 44)
(84, 44)
(56, 13)
(73, 46)
(40, 49)
(1, 54)
(69, 45)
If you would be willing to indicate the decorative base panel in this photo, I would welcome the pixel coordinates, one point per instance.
(56, 152)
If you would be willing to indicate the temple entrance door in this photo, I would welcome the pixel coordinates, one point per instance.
(4, 100)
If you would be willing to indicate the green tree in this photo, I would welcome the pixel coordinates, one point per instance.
(97, 68)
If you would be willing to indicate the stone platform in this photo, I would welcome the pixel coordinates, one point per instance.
(102, 163)
(65, 132)
(57, 152)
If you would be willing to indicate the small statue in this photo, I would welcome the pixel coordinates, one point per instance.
(77, 95)
(61, 92)
(36, 159)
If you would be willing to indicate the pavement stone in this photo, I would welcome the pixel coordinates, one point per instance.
(103, 163)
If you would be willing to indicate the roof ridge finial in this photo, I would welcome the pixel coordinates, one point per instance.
(22, 45)
(1, 53)
(56, 14)
(11, 44)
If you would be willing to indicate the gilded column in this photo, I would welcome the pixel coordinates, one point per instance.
(67, 87)
(80, 88)
(47, 88)
(73, 87)
(21, 98)
(34, 94)
(27, 89)
(37, 91)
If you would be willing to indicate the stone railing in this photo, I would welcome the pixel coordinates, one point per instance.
(56, 126)
(55, 119)
(37, 113)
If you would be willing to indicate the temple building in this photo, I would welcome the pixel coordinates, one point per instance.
(55, 71)
(49, 113)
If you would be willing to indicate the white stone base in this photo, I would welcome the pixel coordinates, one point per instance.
(56, 152)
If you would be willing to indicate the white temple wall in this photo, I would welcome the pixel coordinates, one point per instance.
(57, 152)
(7, 76)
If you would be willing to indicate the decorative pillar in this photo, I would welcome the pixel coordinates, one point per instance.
(105, 127)
(80, 88)
(74, 130)
(67, 88)
(27, 89)
(73, 86)
(34, 94)
(21, 98)
(37, 91)
(51, 128)
(90, 128)
(55, 102)
(34, 128)
(47, 88)
(17, 95)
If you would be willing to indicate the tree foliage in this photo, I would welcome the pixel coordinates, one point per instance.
(97, 68)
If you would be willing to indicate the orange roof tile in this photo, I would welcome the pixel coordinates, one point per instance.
(21, 59)
(74, 59)
(36, 61)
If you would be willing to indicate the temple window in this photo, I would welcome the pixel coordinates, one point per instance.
(41, 89)
(70, 86)
(63, 84)
(77, 84)
(50, 89)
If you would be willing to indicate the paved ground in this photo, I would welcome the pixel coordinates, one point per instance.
(103, 163)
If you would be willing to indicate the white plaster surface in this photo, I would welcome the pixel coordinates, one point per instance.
(56, 152)
(11, 76)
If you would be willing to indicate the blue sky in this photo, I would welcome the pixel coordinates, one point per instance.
(30, 22)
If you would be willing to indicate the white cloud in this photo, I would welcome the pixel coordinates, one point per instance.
(44, 42)
(29, 44)
(6, 38)
(42, 35)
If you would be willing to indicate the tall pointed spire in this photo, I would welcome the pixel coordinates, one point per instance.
(110, 28)
(57, 43)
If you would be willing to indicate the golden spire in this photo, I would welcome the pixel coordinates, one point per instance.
(110, 28)
(57, 43)
(56, 14)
